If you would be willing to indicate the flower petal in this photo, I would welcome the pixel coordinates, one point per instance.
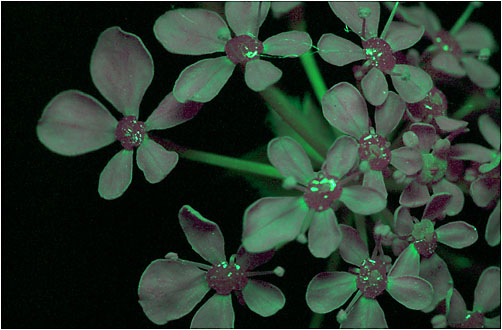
(414, 195)
(249, 261)
(329, 290)
(456, 309)
(169, 290)
(389, 114)
(374, 86)
(426, 134)
(191, 31)
(216, 313)
(74, 123)
(411, 291)
(280, 8)
(411, 83)
(403, 221)
(449, 124)
(403, 35)
(470, 151)
(457, 234)
(490, 131)
(374, 179)
(407, 264)
(492, 323)
(436, 206)
(348, 12)
(246, 17)
(484, 191)
(474, 37)
(449, 64)
(407, 160)
(203, 80)
(261, 74)
(492, 232)
(121, 69)
(480, 73)
(366, 314)
(456, 203)
(324, 235)
(289, 44)
(435, 271)
(345, 108)
(289, 158)
(263, 298)
(363, 200)
(341, 157)
(116, 176)
(171, 113)
(352, 249)
(204, 236)
(339, 51)
(487, 292)
(155, 161)
(419, 15)
(271, 221)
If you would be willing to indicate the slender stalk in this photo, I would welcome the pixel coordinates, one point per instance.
(314, 75)
(474, 103)
(465, 16)
(391, 17)
(281, 104)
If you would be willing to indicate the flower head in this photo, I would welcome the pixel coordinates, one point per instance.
(74, 123)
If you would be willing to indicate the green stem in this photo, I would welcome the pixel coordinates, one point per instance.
(314, 75)
(391, 17)
(465, 16)
(281, 104)
(474, 103)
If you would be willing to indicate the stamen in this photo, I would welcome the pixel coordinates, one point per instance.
(391, 17)
(174, 256)
(278, 271)
(465, 16)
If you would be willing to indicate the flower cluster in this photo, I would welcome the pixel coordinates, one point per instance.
(339, 168)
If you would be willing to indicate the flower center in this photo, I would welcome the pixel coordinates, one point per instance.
(445, 42)
(242, 49)
(322, 191)
(434, 104)
(225, 278)
(373, 148)
(425, 237)
(379, 54)
(372, 279)
(433, 168)
(130, 132)
(473, 320)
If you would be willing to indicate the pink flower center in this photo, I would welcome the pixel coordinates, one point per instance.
(379, 54)
(373, 148)
(473, 320)
(225, 278)
(433, 168)
(434, 104)
(130, 132)
(425, 238)
(322, 191)
(372, 279)
(445, 42)
(242, 49)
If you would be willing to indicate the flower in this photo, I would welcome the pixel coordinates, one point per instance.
(411, 83)
(170, 288)
(328, 291)
(454, 53)
(199, 31)
(486, 299)
(74, 123)
(272, 221)
(345, 108)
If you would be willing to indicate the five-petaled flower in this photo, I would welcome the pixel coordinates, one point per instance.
(272, 221)
(199, 31)
(74, 123)
(170, 288)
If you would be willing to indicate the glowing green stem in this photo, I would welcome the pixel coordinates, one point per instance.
(314, 75)
(281, 104)
(391, 17)
(474, 103)
(465, 16)
(232, 163)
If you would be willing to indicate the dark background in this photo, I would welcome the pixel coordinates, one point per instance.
(73, 260)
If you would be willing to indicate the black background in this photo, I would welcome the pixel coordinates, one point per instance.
(73, 260)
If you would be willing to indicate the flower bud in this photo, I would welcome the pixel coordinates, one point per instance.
(289, 183)
(279, 271)
(341, 316)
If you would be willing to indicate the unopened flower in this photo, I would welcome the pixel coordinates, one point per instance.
(170, 288)
(411, 83)
(74, 123)
(272, 221)
(330, 290)
(199, 31)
